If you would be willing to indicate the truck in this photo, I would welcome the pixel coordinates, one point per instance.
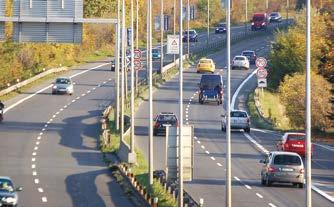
(260, 21)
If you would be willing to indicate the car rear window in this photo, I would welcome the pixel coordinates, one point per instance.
(247, 53)
(296, 137)
(190, 32)
(205, 61)
(258, 18)
(6, 185)
(274, 14)
(210, 81)
(155, 51)
(222, 25)
(165, 118)
(239, 58)
(62, 81)
(238, 114)
(287, 160)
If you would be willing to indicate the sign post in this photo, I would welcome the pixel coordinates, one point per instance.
(261, 73)
(173, 44)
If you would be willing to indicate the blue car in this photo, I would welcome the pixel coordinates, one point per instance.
(211, 88)
(193, 36)
(156, 54)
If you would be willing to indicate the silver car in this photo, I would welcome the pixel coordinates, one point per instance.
(283, 167)
(241, 62)
(63, 85)
(239, 120)
(8, 193)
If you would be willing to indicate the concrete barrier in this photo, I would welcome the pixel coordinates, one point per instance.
(30, 80)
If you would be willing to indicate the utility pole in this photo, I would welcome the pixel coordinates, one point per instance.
(308, 106)
(137, 39)
(122, 70)
(246, 15)
(207, 41)
(117, 66)
(132, 141)
(149, 24)
(188, 19)
(287, 11)
(267, 5)
(180, 196)
(228, 109)
(161, 35)
(174, 21)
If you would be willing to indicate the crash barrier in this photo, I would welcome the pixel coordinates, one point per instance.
(160, 176)
(30, 80)
(247, 34)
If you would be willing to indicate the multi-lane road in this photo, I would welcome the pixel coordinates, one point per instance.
(49, 143)
(247, 149)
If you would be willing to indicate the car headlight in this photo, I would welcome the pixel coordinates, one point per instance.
(263, 23)
(252, 23)
(11, 200)
(54, 87)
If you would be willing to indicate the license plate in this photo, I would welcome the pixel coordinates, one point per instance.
(286, 169)
(297, 145)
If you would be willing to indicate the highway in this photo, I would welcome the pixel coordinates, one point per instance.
(209, 167)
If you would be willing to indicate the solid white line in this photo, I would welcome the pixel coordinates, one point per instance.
(33, 166)
(36, 181)
(207, 152)
(212, 158)
(40, 190)
(235, 95)
(325, 146)
(236, 178)
(248, 187)
(34, 173)
(271, 205)
(44, 199)
(324, 194)
(202, 147)
(220, 165)
(259, 195)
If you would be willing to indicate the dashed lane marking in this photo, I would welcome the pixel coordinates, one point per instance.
(212, 158)
(40, 190)
(248, 187)
(271, 205)
(44, 199)
(220, 165)
(36, 181)
(202, 147)
(259, 195)
(207, 152)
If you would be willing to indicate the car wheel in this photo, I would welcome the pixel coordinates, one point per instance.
(155, 134)
(223, 128)
(268, 182)
(247, 130)
(197, 71)
(263, 182)
(300, 185)
(218, 102)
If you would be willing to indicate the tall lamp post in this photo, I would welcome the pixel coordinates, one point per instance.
(132, 146)
(188, 19)
(208, 29)
(118, 43)
(161, 35)
(123, 68)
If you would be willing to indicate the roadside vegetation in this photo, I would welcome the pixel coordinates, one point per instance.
(287, 76)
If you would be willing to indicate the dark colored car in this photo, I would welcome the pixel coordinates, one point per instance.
(221, 28)
(250, 54)
(162, 120)
(156, 54)
(113, 64)
(8, 193)
(193, 36)
(275, 17)
(260, 21)
(211, 88)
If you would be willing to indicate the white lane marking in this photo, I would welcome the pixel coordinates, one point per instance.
(187, 123)
(202, 147)
(40, 134)
(83, 94)
(235, 95)
(51, 120)
(256, 144)
(33, 159)
(324, 194)
(207, 152)
(195, 137)
(34, 173)
(104, 82)
(271, 205)
(37, 143)
(212, 158)
(44, 199)
(40, 190)
(325, 146)
(187, 119)
(109, 79)
(48, 122)
(36, 148)
(186, 111)
(259, 195)
(220, 165)
(199, 142)
(99, 85)
(43, 129)
(36, 181)
(65, 106)
(267, 131)
(88, 91)
(57, 112)
(94, 88)
(39, 137)
(45, 125)
(248, 187)
(235, 177)
(54, 116)
(73, 100)
(33, 166)
(78, 98)
(34, 154)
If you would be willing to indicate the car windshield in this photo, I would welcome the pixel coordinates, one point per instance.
(62, 81)
(191, 32)
(167, 118)
(210, 81)
(238, 114)
(205, 61)
(239, 58)
(155, 51)
(296, 137)
(273, 14)
(287, 160)
(6, 185)
(247, 53)
(258, 18)
(222, 25)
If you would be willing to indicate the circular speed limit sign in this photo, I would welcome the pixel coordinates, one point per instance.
(261, 73)
(261, 62)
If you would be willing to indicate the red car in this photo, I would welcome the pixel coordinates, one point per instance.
(260, 21)
(294, 142)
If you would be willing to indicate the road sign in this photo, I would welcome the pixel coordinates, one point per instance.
(261, 62)
(173, 44)
(137, 54)
(137, 64)
(261, 73)
(262, 82)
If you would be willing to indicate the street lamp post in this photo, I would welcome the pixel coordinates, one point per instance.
(228, 108)
(188, 19)
(117, 65)
(174, 21)
(137, 40)
(246, 15)
(208, 29)
(161, 35)
(122, 69)
(132, 147)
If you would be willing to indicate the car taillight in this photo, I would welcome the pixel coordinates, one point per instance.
(301, 171)
(157, 125)
(232, 62)
(286, 145)
(248, 120)
(272, 169)
(177, 124)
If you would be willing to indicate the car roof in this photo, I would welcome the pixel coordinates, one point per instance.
(294, 133)
(248, 51)
(283, 153)
(166, 113)
(238, 111)
(63, 78)
(205, 59)
(5, 177)
(240, 56)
